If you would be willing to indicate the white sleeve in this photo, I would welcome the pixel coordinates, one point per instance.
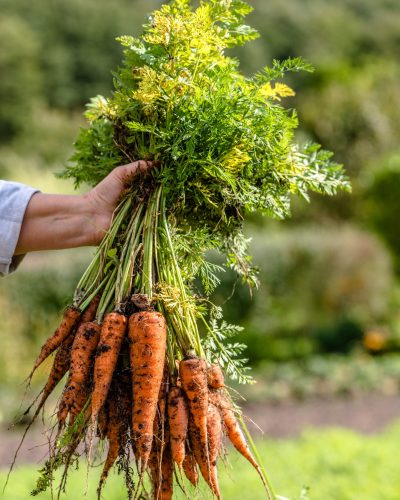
(14, 199)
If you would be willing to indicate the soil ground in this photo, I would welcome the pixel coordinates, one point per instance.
(367, 414)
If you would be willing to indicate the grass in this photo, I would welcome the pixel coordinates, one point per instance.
(336, 464)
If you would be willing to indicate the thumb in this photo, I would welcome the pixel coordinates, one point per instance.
(126, 173)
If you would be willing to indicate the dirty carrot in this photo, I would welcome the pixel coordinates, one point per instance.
(147, 336)
(118, 419)
(214, 434)
(178, 416)
(201, 455)
(69, 321)
(59, 368)
(215, 377)
(167, 471)
(113, 437)
(193, 375)
(190, 467)
(82, 354)
(111, 337)
(90, 312)
(235, 433)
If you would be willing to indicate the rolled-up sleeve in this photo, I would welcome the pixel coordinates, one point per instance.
(14, 199)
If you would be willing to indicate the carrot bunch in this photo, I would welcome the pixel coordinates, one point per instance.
(167, 423)
(138, 343)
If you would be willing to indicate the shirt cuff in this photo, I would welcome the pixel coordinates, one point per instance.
(14, 199)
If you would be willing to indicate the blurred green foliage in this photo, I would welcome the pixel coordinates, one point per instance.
(321, 288)
(327, 375)
(78, 42)
(326, 278)
(20, 81)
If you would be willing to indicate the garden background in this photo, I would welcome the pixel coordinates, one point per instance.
(323, 330)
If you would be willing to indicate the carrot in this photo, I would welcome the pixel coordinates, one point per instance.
(58, 370)
(90, 312)
(113, 442)
(164, 390)
(201, 455)
(69, 321)
(80, 399)
(214, 434)
(102, 423)
(153, 467)
(190, 467)
(159, 420)
(160, 437)
(160, 467)
(82, 354)
(234, 431)
(178, 416)
(167, 471)
(111, 337)
(119, 405)
(147, 335)
(215, 377)
(193, 375)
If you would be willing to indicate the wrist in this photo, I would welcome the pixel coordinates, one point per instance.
(96, 221)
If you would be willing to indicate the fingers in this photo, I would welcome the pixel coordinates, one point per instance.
(127, 172)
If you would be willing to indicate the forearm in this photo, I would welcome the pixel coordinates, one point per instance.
(54, 222)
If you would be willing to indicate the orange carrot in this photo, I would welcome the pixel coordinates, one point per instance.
(90, 312)
(69, 321)
(111, 337)
(234, 431)
(113, 441)
(147, 335)
(154, 467)
(80, 400)
(82, 354)
(162, 395)
(119, 414)
(167, 471)
(214, 434)
(201, 455)
(190, 467)
(215, 377)
(102, 423)
(178, 416)
(160, 466)
(159, 420)
(58, 370)
(193, 375)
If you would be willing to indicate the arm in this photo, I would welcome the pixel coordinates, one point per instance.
(64, 221)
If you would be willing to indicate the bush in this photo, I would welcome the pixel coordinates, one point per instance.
(321, 287)
(78, 40)
(20, 81)
(325, 376)
(381, 203)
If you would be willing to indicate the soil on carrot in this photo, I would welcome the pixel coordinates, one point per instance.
(367, 414)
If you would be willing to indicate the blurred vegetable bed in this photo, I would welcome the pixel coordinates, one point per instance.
(325, 376)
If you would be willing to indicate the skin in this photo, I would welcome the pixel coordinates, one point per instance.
(54, 222)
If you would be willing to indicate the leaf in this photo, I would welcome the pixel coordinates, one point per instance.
(112, 253)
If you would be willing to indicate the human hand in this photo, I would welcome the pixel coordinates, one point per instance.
(54, 221)
(102, 200)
